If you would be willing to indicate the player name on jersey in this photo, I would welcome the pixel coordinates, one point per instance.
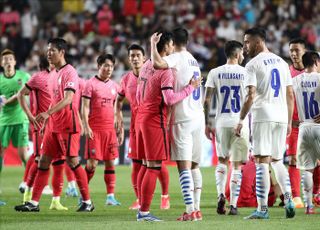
(234, 76)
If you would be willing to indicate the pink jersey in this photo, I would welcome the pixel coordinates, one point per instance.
(65, 120)
(128, 88)
(295, 72)
(102, 96)
(149, 94)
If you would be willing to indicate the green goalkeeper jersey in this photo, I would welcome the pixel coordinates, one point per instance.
(12, 114)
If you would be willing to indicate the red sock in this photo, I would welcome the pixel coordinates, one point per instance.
(82, 182)
(28, 166)
(164, 179)
(110, 179)
(316, 180)
(69, 173)
(89, 174)
(141, 175)
(40, 182)
(32, 174)
(294, 175)
(136, 165)
(57, 177)
(147, 188)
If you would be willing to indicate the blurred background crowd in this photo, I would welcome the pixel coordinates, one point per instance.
(93, 26)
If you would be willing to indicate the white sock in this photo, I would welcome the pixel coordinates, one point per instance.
(72, 184)
(28, 189)
(87, 201)
(282, 176)
(262, 186)
(110, 195)
(307, 186)
(34, 202)
(187, 187)
(221, 178)
(57, 198)
(235, 184)
(197, 180)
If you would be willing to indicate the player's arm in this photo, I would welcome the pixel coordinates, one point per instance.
(118, 118)
(290, 105)
(209, 131)
(23, 103)
(85, 117)
(156, 59)
(67, 100)
(11, 99)
(246, 108)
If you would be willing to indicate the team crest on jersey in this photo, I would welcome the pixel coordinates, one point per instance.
(19, 82)
(70, 84)
(93, 151)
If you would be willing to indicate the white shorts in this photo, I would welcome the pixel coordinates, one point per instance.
(308, 147)
(229, 145)
(269, 139)
(186, 140)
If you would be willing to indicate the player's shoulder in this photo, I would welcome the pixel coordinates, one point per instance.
(21, 73)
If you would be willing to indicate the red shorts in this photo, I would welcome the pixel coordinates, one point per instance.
(152, 143)
(37, 141)
(60, 145)
(104, 146)
(292, 142)
(132, 152)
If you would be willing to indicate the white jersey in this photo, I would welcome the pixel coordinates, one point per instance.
(230, 82)
(270, 75)
(185, 66)
(306, 87)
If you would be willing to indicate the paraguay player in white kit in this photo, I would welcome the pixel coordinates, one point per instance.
(229, 83)
(187, 122)
(307, 89)
(270, 92)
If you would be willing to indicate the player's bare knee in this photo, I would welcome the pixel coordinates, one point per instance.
(223, 160)
(44, 161)
(109, 163)
(72, 161)
(153, 164)
(292, 160)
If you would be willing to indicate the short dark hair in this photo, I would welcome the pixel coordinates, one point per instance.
(165, 38)
(257, 32)
(59, 43)
(298, 41)
(136, 47)
(6, 52)
(230, 48)
(43, 63)
(103, 57)
(310, 58)
(180, 36)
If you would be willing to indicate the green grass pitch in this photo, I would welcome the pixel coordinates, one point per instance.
(107, 217)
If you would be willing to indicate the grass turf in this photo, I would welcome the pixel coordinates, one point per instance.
(120, 217)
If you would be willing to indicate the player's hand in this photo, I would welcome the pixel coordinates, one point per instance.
(42, 129)
(289, 129)
(3, 100)
(210, 132)
(317, 119)
(155, 38)
(118, 123)
(41, 117)
(120, 136)
(81, 129)
(88, 132)
(237, 129)
(195, 82)
(33, 120)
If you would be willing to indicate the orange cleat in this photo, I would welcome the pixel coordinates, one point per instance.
(188, 217)
(165, 202)
(135, 205)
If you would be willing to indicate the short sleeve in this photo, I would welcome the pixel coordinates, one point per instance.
(251, 75)
(32, 82)
(172, 60)
(167, 79)
(122, 87)
(87, 92)
(288, 75)
(210, 79)
(71, 81)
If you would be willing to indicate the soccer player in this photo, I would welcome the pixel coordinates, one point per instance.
(228, 82)
(307, 88)
(61, 137)
(14, 124)
(98, 117)
(154, 95)
(128, 87)
(37, 89)
(270, 92)
(187, 123)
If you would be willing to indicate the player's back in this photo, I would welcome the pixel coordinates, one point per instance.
(230, 83)
(306, 87)
(184, 67)
(271, 76)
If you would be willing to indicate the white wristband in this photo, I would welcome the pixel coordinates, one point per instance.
(240, 122)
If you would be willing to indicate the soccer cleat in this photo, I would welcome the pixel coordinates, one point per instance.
(22, 187)
(165, 202)
(135, 205)
(84, 207)
(80, 201)
(258, 215)
(56, 205)
(47, 190)
(316, 200)
(310, 210)
(297, 202)
(233, 211)
(112, 201)
(27, 207)
(27, 195)
(71, 192)
(290, 210)
(148, 217)
(2, 203)
(221, 209)
(198, 215)
(188, 217)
